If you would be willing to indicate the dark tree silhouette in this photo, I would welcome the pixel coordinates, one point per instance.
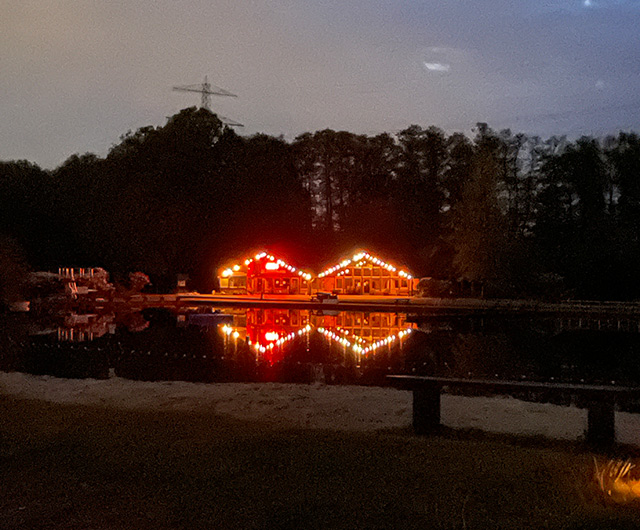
(523, 216)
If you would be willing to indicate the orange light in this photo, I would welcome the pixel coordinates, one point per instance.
(619, 480)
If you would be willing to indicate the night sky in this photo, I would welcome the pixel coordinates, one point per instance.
(78, 74)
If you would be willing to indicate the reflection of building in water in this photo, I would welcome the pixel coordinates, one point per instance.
(267, 331)
(264, 273)
(91, 326)
(80, 328)
(366, 274)
(364, 332)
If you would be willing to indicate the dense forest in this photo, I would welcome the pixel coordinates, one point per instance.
(523, 216)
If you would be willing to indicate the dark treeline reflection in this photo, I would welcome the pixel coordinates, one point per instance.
(299, 346)
(523, 215)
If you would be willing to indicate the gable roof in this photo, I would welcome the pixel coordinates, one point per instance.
(243, 266)
(360, 258)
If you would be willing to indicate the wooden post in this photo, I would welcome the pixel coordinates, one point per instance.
(426, 409)
(601, 425)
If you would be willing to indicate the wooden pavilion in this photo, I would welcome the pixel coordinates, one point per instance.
(264, 273)
(366, 274)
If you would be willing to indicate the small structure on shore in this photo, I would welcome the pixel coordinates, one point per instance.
(84, 281)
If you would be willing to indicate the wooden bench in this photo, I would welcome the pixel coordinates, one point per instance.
(600, 400)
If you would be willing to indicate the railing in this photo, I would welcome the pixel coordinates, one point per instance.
(73, 274)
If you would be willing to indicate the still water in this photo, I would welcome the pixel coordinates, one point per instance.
(302, 346)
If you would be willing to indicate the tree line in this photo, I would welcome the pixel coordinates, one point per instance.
(520, 215)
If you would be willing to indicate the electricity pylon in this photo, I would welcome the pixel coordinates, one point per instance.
(207, 90)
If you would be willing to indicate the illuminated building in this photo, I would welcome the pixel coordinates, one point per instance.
(365, 273)
(264, 273)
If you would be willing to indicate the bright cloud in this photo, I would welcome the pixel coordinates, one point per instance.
(437, 67)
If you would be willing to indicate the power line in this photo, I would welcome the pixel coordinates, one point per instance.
(207, 90)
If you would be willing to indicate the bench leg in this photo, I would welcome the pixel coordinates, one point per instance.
(426, 410)
(601, 427)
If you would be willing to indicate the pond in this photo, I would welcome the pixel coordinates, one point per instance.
(204, 344)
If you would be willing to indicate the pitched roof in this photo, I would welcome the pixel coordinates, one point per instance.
(242, 267)
(360, 258)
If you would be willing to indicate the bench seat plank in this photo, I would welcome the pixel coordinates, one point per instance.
(601, 400)
(409, 382)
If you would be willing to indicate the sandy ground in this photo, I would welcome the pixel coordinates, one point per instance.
(344, 408)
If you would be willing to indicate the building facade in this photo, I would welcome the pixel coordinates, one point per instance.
(361, 274)
(264, 273)
(364, 274)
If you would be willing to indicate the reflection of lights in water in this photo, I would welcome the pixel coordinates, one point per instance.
(334, 336)
(274, 338)
(358, 344)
